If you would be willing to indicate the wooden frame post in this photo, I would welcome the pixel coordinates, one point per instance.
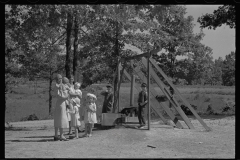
(148, 92)
(132, 87)
(118, 88)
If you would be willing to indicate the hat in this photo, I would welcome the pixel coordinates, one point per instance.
(65, 80)
(91, 95)
(144, 85)
(77, 84)
(77, 101)
(109, 86)
(58, 76)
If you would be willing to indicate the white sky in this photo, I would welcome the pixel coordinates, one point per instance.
(221, 40)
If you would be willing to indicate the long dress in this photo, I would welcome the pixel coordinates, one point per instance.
(60, 115)
(90, 116)
(75, 122)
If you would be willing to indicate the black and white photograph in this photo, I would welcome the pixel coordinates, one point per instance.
(120, 81)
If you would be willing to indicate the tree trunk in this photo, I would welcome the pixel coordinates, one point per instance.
(116, 101)
(68, 45)
(50, 92)
(75, 52)
(172, 65)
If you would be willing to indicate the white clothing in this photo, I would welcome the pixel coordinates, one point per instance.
(60, 116)
(75, 118)
(90, 113)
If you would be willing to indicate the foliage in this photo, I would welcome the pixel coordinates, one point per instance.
(225, 14)
(228, 70)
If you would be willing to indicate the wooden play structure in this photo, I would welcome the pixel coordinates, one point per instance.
(148, 63)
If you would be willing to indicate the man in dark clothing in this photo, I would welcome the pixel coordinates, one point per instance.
(108, 100)
(142, 101)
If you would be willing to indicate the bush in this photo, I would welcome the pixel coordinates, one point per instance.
(161, 98)
(228, 110)
(31, 117)
(187, 111)
(209, 110)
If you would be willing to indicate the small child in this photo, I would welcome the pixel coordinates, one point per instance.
(77, 89)
(75, 122)
(79, 96)
(90, 116)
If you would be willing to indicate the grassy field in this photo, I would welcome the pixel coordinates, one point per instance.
(23, 101)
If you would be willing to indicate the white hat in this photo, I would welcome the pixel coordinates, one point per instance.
(77, 84)
(77, 101)
(91, 95)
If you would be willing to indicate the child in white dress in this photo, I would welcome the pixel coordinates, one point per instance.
(75, 118)
(90, 116)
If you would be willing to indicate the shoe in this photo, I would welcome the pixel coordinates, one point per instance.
(64, 139)
(90, 135)
(75, 138)
(141, 126)
(56, 138)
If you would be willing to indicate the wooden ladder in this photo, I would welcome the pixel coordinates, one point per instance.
(152, 61)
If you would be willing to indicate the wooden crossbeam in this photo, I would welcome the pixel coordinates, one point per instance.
(162, 104)
(171, 99)
(179, 94)
(146, 54)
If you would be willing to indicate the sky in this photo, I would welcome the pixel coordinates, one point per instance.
(221, 40)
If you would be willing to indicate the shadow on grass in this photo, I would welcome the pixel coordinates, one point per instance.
(41, 140)
(17, 129)
(39, 137)
(210, 117)
(42, 129)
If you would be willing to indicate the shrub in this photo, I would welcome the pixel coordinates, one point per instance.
(196, 96)
(209, 110)
(161, 98)
(31, 117)
(187, 111)
(207, 99)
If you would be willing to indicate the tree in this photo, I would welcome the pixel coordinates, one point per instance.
(228, 70)
(178, 40)
(225, 14)
(217, 71)
(68, 44)
(38, 38)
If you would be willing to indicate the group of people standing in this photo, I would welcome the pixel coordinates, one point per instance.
(68, 109)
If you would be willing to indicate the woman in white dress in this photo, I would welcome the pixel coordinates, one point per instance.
(60, 115)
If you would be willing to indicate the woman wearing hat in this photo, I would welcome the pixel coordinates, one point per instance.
(60, 115)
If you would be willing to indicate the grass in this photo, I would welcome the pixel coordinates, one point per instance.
(23, 101)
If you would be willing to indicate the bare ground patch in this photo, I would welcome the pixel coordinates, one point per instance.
(34, 139)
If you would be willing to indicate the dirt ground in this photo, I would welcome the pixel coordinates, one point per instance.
(34, 139)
